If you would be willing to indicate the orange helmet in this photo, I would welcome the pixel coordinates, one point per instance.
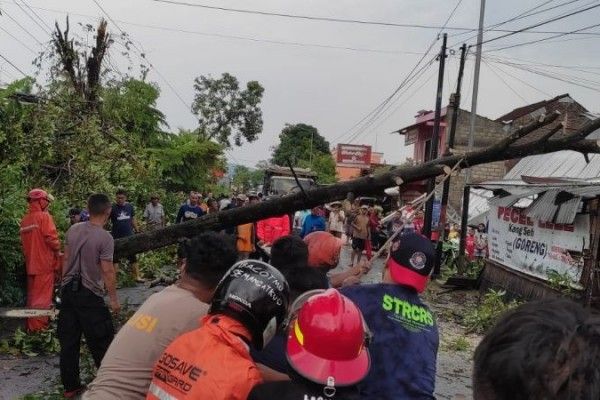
(38, 194)
(327, 339)
(323, 249)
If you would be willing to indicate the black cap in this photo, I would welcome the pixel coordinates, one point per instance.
(411, 261)
(255, 294)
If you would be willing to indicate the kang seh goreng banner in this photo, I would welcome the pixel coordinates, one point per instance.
(535, 247)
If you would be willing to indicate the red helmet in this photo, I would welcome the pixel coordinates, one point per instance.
(38, 194)
(327, 340)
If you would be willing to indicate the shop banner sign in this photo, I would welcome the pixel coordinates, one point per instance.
(537, 248)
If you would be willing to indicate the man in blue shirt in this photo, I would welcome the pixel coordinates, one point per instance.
(313, 222)
(188, 211)
(405, 335)
(122, 218)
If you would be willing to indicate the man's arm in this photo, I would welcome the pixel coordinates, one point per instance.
(109, 276)
(336, 280)
(50, 234)
(65, 262)
(179, 215)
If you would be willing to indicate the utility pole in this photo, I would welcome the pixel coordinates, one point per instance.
(467, 191)
(435, 137)
(455, 104)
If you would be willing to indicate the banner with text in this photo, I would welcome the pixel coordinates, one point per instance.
(537, 248)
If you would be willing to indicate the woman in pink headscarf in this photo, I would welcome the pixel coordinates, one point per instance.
(324, 253)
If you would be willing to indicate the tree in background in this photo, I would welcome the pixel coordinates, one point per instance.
(227, 112)
(306, 148)
(245, 179)
(86, 127)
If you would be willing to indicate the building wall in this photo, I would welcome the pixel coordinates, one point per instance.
(487, 132)
(347, 173)
(570, 114)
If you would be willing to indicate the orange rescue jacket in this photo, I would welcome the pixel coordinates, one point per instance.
(40, 242)
(212, 362)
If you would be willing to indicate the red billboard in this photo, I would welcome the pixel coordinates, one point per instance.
(354, 155)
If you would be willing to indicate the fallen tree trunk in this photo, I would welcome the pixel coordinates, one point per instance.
(506, 149)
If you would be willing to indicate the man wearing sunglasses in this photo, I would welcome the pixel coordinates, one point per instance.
(405, 335)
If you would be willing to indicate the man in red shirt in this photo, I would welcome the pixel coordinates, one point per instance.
(41, 248)
(213, 362)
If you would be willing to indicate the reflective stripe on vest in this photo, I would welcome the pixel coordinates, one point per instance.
(160, 392)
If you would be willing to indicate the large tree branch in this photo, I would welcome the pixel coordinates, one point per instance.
(362, 186)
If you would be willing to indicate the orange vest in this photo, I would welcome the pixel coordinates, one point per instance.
(39, 239)
(212, 362)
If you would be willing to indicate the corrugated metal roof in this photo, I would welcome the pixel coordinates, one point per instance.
(544, 207)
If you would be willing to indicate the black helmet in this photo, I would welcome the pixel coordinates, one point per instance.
(257, 295)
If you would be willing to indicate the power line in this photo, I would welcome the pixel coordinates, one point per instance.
(521, 80)
(13, 65)
(543, 39)
(18, 40)
(21, 26)
(372, 116)
(36, 14)
(31, 18)
(385, 105)
(541, 23)
(142, 56)
(577, 81)
(525, 14)
(505, 83)
(243, 38)
(316, 18)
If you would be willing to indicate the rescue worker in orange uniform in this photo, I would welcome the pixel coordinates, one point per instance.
(213, 362)
(41, 248)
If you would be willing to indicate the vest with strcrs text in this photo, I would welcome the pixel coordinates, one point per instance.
(404, 345)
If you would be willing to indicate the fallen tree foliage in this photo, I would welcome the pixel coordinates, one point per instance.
(505, 149)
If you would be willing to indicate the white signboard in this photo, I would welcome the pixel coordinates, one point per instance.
(535, 247)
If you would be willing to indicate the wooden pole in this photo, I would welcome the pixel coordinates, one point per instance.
(435, 138)
(455, 105)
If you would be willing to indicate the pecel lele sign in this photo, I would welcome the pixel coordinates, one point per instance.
(534, 247)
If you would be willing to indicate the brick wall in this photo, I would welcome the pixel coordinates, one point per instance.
(570, 114)
(487, 132)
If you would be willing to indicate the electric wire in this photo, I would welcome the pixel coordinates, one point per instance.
(32, 18)
(13, 65)
(558, 18)
(18, 40)
(21, 26)
(143, 57)
(372, 116)
(523, 82)
(542, 39)
(525, 102)
(244, 38)
(37, 15)
(316, 18)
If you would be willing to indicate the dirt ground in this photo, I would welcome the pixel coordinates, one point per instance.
(21, 376)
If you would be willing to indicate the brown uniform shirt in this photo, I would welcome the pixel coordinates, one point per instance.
(126, 369)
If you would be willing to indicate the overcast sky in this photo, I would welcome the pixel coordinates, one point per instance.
(329, 88)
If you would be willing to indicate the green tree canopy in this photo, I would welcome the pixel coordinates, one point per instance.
(305, 147)
(245, 178)
(227, 112)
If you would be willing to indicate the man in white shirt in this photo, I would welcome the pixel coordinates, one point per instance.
(154, 214)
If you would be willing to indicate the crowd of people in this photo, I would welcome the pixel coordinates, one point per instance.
(236, 327)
